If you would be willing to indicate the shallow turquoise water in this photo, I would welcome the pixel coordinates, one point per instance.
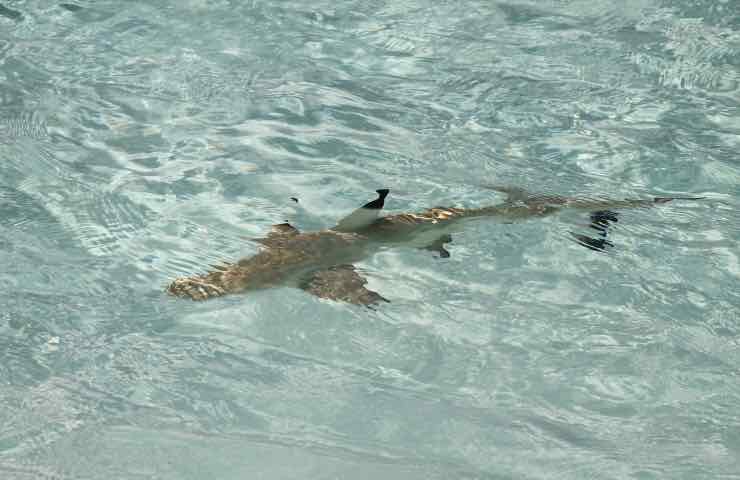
(141, 141)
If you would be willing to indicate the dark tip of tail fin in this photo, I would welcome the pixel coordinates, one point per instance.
(378, 203)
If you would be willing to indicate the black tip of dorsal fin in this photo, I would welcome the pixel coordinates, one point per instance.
(378, 203)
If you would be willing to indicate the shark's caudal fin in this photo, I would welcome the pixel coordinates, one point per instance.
(363, 216)
(601, 220)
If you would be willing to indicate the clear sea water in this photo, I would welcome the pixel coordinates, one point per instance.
(142, 141)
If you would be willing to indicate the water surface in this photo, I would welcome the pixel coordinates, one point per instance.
(142, 141)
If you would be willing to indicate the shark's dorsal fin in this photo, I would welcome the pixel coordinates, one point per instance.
(278, 232)
(363, 216)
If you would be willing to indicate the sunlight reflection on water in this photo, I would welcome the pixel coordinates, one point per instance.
(139, 143)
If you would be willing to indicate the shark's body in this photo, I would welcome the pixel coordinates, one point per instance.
(321, 262)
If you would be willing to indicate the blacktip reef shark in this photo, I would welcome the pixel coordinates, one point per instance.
(321, 263)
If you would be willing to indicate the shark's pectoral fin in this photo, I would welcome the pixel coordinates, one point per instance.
(439, 245)
(601, 220)
(342, 283)
(364, 216)
(277, 233)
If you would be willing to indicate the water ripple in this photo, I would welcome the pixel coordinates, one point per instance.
(140, 142)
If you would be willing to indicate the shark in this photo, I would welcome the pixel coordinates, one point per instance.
(322, 263)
